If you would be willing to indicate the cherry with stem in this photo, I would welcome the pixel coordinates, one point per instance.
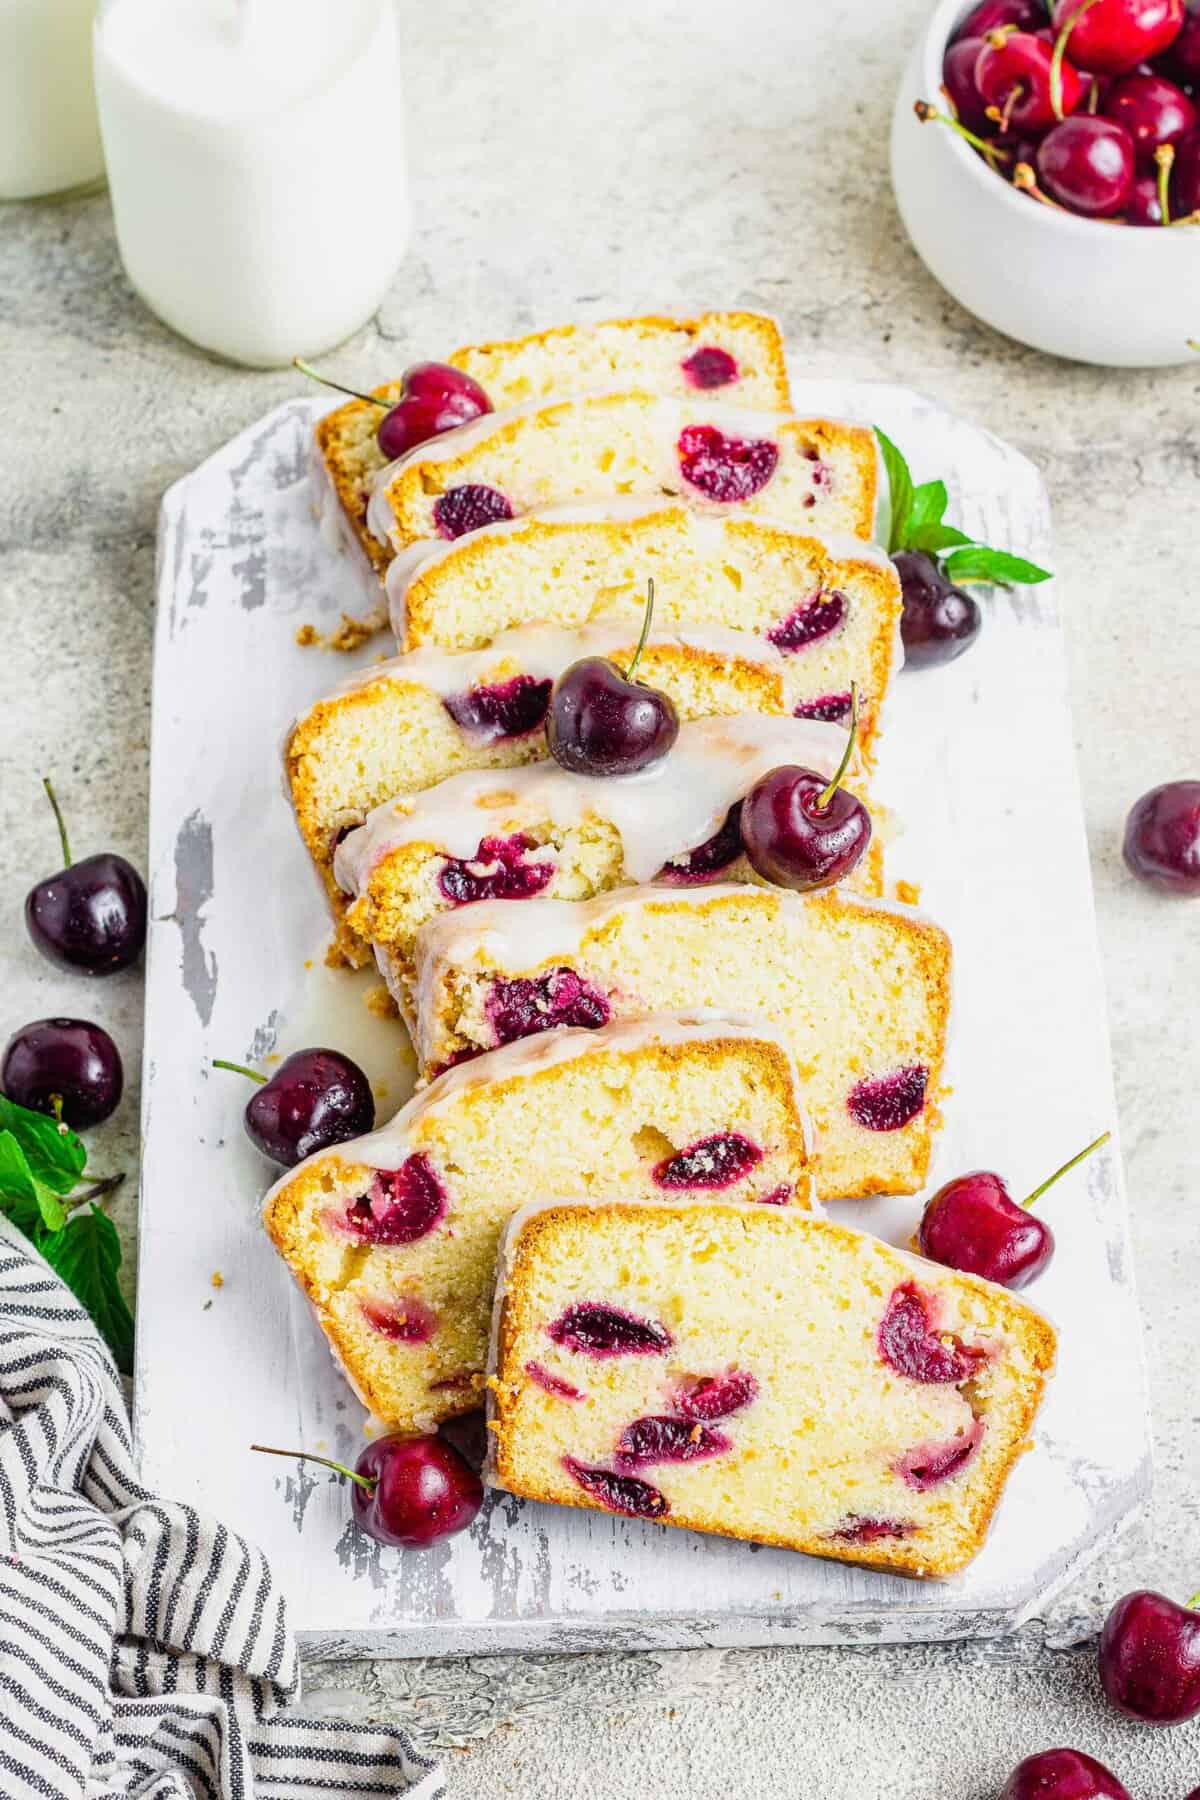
(315, 1099)
(405, 1491)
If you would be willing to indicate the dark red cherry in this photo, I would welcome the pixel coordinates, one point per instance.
(725, 469)
(433, 398)
(1112, 37)
(91, 916)
(525, 1004)
(801, 831)
(958, 78)
(994, 15)
(1145, 206)
(716, 1161)
(406, 1492)
(1088, 164)
(68, 1068)
(1183, 57)
(662, 1438)
(709, 859)
(1162, 838)
(315, 1098)
(938, 621)
(1185, 177)
(1062, 1775)
(974, 1224)
(603, 722)
(1013, 77)
(709, 367)
(594, 1328)
(1153, 111)
(506, 709)
(1149, 1658)
(909, 1342)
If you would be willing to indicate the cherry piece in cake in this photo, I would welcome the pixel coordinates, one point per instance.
(710, 1397)
(506, 709)
(523, 1005)
(930, 1465)
(660, 1438)
(710, 367)
(889, 1102)
(710, 859)
(406, 1320)
(909, 1343)
(553, 1384)
(858, 1529)
(595, 1329)
(714, 1162)
(808, 623)
(725, 469)
(626, 1494)
(835, 709)
(468, 508)
(400, 1206)
(499, 870)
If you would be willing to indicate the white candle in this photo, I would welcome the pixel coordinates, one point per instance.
(49, 139)
(256, 159)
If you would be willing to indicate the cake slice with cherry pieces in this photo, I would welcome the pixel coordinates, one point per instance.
(518, 833)
(393, 1236)
(859, 991)
(738, 354)
(762, 1374)
(827, 607)
(820, 473)
(404, 725)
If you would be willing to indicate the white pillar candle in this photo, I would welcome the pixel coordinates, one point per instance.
(49, 138)
(255, 152)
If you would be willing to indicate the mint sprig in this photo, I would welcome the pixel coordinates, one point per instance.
(916, 523)
(41, 1165)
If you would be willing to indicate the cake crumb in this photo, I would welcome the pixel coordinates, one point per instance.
(307, 634)
(349, 634)
(379, 1002)
(218, 1280)
(909, 892)
(308, 962)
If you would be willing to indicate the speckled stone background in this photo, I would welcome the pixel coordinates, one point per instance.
(580, 158)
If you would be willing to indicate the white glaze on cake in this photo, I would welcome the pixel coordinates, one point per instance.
(661, 813)
(544, 651)
(393, 1143)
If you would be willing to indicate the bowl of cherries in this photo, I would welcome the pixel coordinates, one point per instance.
(1046, 164)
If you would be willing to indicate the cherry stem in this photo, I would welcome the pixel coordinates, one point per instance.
(240, 1069)
(56, 1107)
(646, 618)
(847, 753)
(62, 825)
(1005, 117)
(1164, 156)
(1056, 59)
(1023, 177)
(927, 113)
(1193, 1603)
(298, 362)
(364, 1481)
(1050, 1180)
(100, 1189)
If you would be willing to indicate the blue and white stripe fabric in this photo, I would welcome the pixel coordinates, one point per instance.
(144, 1650)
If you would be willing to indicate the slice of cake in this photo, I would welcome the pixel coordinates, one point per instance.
(761, 1374)
(858, 991)
(829, 606)
(404, 725)
(738, 353)
(512, 835)
(800, 472)
(393, 1237)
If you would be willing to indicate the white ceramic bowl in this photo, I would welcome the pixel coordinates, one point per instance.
(1084, 288)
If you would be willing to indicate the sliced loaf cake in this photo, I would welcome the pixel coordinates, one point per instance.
(393, 1237)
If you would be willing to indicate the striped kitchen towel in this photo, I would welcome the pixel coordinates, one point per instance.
(144, 1650)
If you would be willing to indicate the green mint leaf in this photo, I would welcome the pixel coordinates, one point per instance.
(900, 491)
(55, 1157)
(18, 1195)
(87, 1255)
(932, 538)
(929, 502)
(982, 564)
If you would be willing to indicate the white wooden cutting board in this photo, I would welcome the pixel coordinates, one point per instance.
(977, 759)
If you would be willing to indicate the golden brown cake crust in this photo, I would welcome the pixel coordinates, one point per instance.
(515, 1310)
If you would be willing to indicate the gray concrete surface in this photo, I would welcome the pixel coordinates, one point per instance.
(578, 158)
